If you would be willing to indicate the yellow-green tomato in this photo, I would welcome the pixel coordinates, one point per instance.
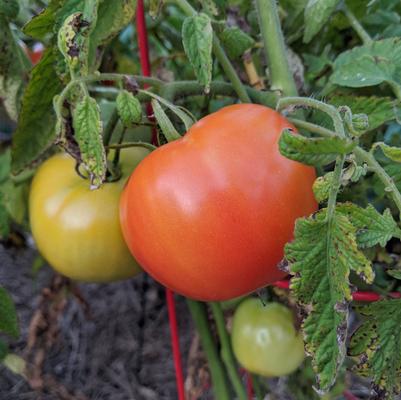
(265, 340)
(76, 229)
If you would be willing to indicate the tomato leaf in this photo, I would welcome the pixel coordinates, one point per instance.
(8, 315)
(320, 259)
(372, 227)
(4, 219)
(317, 13)
(112, 17)
(35, 130)
(391, 152)
(377, 346)
(129, 108)
(88, 129)
(313, 151)
(197, 38)
(164, 122)
(9, 8)
(235, 41)
(369, 65)
(321, 187)
(14, 65)
(395, 273)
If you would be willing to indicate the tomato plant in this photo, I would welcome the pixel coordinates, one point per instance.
(264, 338)
(220, 204)
(214, 211)
(76, 229)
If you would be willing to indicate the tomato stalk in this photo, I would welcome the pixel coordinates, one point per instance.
(219, 379)
(363, 155)
(227, 354)
(273, 40)
(220, 55)
(359, 29)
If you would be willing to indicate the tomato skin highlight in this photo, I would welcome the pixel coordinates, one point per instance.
(76, 229)
(208, 215)
(265, 340)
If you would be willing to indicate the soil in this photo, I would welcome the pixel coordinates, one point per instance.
(118, 350)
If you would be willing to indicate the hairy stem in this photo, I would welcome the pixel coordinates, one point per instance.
(273, 40)
(220, 55)
(359, 29)
(227, 352)
(364, 156)
(132, 144)
(199, 315)
(110, 126)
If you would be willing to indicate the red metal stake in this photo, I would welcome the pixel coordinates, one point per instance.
(145, 66)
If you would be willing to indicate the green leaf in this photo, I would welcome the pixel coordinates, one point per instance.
(35, 130)
(8, 315)
(129, 108)
(391, 152)
(73, 38)
(88, 129)
(320, 259)
(49, 21)
(235, 41)
(369, 65)
(317, 13)
(372, 227)
(377, 346)
(164, 122)
(378, 109)
(9, 8)
(321, 187)
(197, 38)
(40, 25)
(313, 151)
(112, 17)
(395, 273)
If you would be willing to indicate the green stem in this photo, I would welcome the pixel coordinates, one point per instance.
(227, 352)
(199, 315)
(229, 70)
(320, 130)
(316, 104)
(273, 40)
(257, 387)
(363, 155)
(132, 144)
(391, 188)
(335, 187)
(220, 55)
(109, 129)
(396, 89)
(359, 29)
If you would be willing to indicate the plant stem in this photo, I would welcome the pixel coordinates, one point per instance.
(320, 130)
(199, 315)
(132, 144)
(257, 387)
(109, 129)
(316, 104)
(388, 182)
(227, 352)
(273, 40)
(173, 90)
(364, 156)
(220, 55)
(359, 29)
(229, 70)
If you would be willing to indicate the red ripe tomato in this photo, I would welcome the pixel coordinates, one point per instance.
(208, 215)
